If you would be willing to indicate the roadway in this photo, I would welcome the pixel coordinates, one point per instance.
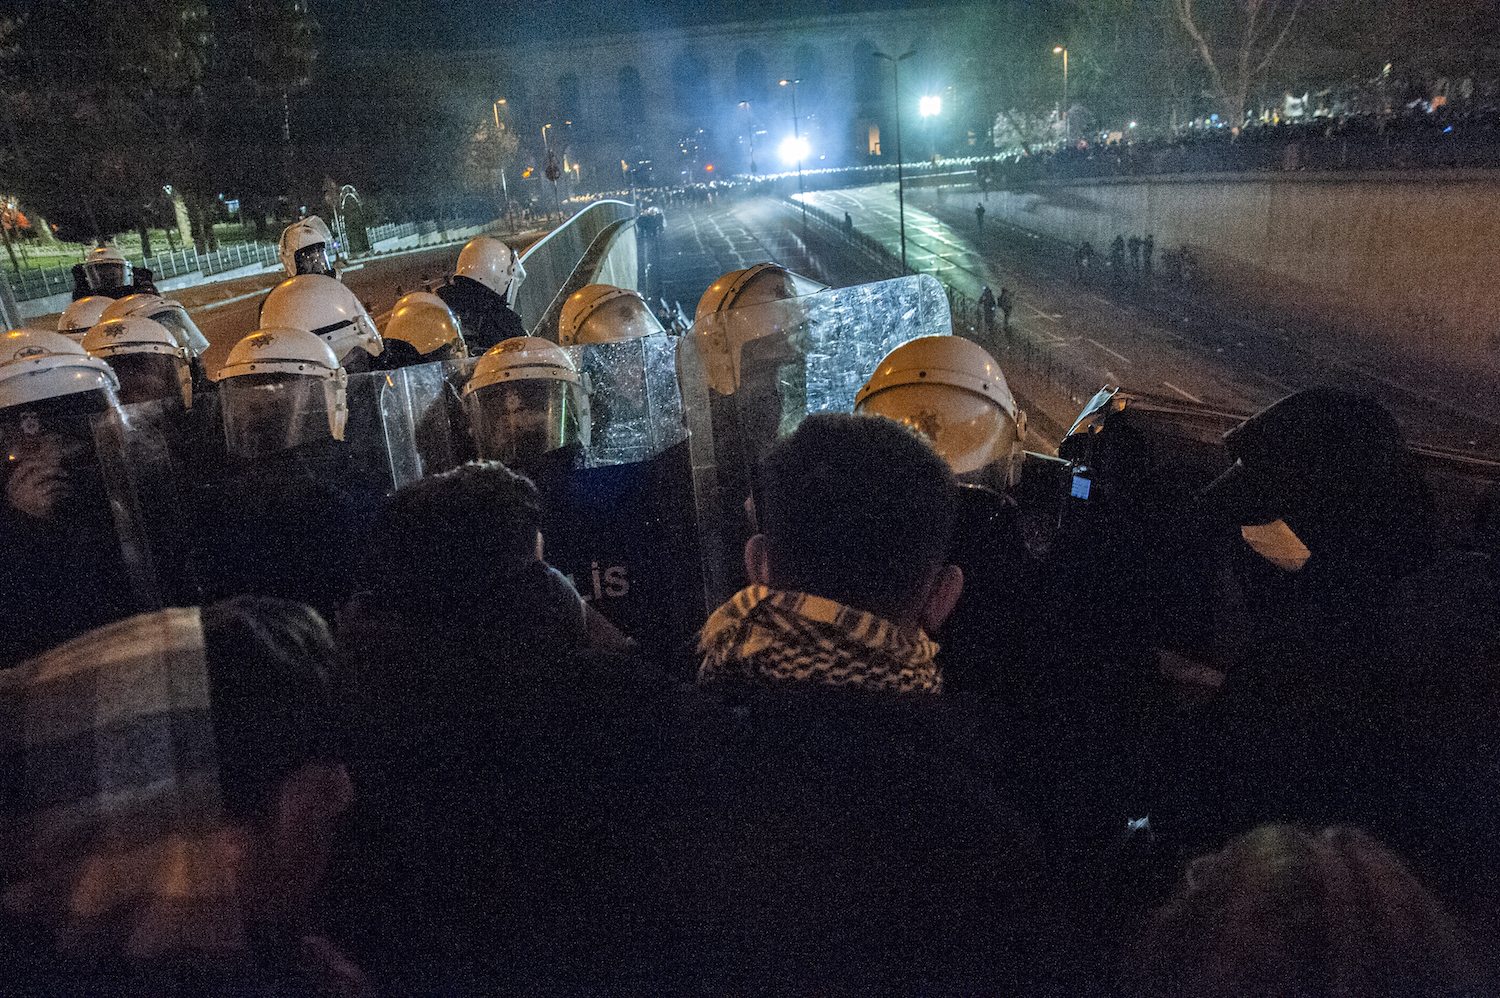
(1157, 338)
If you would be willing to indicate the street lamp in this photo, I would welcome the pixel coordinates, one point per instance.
(1064, 50)
(801, 151)
(896, 62)
(504, 187)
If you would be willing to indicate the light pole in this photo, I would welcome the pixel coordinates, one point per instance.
(551, 172)
(896, 62)
(750, 120)
(797, 139)
(1064, 50)
(504, 188)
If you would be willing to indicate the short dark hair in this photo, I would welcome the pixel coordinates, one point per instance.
(447, 539)
(269, 672)
(856, 509)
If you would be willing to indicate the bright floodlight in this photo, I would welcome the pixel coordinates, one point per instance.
(794, 150)
(930, 106)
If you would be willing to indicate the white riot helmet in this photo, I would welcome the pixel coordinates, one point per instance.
(145, 356)
(307, 247)
(493, 264)
(603, 313)
(425, 321)
(279, 388)
(764, 282)
(81, 314)
(170, 314)
(36, 364)
(526, 398)
(324, 307)
(952, 392)
(106, 267)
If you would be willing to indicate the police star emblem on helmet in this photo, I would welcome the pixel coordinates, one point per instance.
(263, 341)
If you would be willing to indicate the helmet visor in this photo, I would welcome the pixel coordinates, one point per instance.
(147, 376)
(268, 413)
(182, 326)
(313, 260)
(107, 273)
(622, 318)
(517, 421)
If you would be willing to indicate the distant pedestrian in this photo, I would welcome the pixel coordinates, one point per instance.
(979, 218)
(1135, 254)
(1083, 259)
(1148, 246)
(1007, 302)
(987, 310)
(848, 225)
(1117, 258)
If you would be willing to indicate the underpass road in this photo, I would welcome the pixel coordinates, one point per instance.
(1151, 338)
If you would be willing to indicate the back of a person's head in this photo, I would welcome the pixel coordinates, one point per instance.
(856, 509)
(269, 663)
(456, 554)
(1284, 912)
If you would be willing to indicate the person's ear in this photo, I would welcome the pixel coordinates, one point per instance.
(758, 560)
(941, 596)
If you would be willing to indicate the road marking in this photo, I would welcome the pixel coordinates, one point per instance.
(1043, 315)
(1118, 356)
(1272, 381)
(229, 301)
(1179, 391)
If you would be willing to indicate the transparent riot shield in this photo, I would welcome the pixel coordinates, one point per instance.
(421, 426)
(635, 404)
(621, 522)
(751, 375)
(401, 423)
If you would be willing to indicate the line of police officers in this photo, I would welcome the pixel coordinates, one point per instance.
(132, 480)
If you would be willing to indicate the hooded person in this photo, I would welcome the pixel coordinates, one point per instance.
(193, 868)
(482, 293)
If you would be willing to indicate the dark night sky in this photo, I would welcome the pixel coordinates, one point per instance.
(479, 23)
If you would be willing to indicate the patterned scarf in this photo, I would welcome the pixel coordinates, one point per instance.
(784, 637)
(116, 808)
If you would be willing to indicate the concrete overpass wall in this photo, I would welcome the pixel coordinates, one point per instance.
(1409, 257)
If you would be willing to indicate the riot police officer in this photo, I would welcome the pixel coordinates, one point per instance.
(106, 272)
(146, 358)
(421, 330)
(63, 569)
(482, 293)
(603, 313)
(954, 395)
(323, 306)
(291, 488)
(307, 248)
(527, 406)
(80, 315)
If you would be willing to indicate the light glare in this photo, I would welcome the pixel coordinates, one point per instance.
(794, 150)
(930, 106)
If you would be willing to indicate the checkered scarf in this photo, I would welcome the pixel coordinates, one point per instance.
(114, 817)
(780, 637)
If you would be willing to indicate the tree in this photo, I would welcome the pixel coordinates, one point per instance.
(100, 102)
(1236, 40)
